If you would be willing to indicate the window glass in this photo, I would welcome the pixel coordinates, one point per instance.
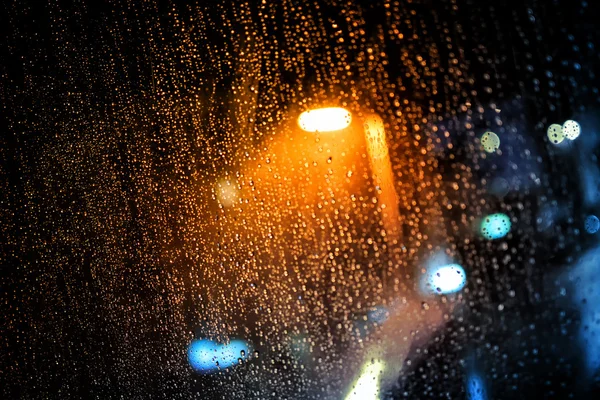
(300, 199)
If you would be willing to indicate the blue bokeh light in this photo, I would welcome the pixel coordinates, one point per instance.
(495, 226)
(592, 224)
(206, 356)
(476, 388)
(444, 279)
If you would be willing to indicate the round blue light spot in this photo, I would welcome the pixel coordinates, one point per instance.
(205, 355)
(592, 224)
(495, 226)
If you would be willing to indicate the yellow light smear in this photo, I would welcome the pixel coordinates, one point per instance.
(381, 166)
(325, 119)
(366, 386)
(227, 193)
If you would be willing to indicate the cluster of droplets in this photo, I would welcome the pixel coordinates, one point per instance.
(187, 198)
(170, 200)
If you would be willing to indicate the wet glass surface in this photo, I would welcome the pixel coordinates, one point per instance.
(300, 199)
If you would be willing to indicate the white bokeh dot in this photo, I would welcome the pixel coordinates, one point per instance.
(571, 129)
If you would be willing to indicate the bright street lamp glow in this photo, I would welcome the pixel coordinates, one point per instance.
(325, 119)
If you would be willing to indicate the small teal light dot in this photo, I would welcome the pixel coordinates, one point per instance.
(495, 226)
(592, 224)
(490, 142)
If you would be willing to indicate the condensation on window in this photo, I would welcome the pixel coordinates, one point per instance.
(299, 199)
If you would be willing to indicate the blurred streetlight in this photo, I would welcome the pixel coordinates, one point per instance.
(381, 166)
(327, 119)
(336, 118)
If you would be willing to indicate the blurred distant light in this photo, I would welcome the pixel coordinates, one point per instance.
(325, 119)
(495, 226)
(227, 192)
(592, 224)
(381, 168)
(205, 355)
(476, 388)
(499, 187)
(444, 279)
(490, 142)
(571, 129)
(375, 137)
(555, 133)
(366, 386)
(378, 314)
